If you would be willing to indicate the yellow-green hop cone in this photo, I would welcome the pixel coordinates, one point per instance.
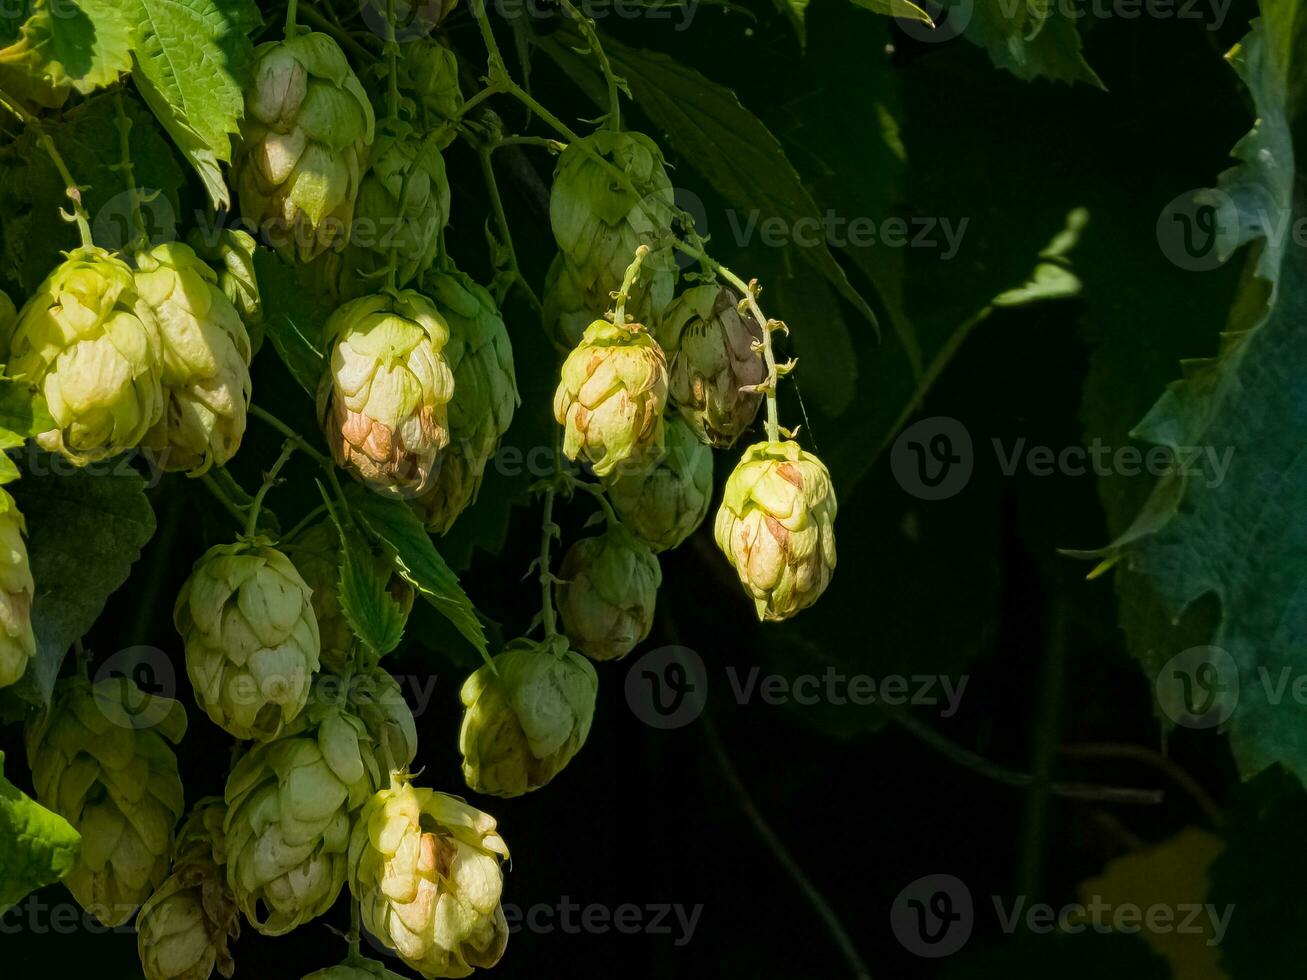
(100, 759)
(231, 252)
(17, 642)
(206, 360)
(607, 589)
(92, 348)
(425, 868)
(252, 643)
(376, 699)
(383, 401)
(662, 502)
(713, 361)
(357, 968)
(183, 931)
(527, 718)
(776, 526)
(485, 386)
(290, 803)
(303, 145)
(611, 397)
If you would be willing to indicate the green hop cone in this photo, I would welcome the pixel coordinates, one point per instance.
(183, 931)
(662, 502)
(8, 317)
(206, 361)
(526, 718)
(485, 385)
(713, 362)
(92, 348)
(429, 77)
(290, 803)
(100, 759)
(17, 642)
(776, 527)
(356, 968)
(599, 220)
(374, 696)
(303, 145)
(606, 592)
(231, 253)
(425, 868)
(611, 397)
(315, 552)
(252, 643)
(383, 401)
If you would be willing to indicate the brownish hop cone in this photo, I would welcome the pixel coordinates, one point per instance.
(776, 526)
(384, 398)
(611, 397)
(714, 363)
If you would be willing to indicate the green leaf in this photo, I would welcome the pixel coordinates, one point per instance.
(1028, 38)
(725, 142)
(1228, 528)
(85, 529)
(37, 847)
(417, 560)
(365, 597)
(292, 319)
(23, 413)
(903, 9)
(192, 63)
(63, 46)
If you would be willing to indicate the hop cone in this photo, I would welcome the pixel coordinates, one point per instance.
(611, 397)
(184, 929)
(354, 969)
(429, 76)
(776, 526)
(425, 869)
(607, 589)
(8, 317)
(92, 347)
(664, 501)
(527, 717)
(206, 358)
(17, 642)
(303, 147)
(100, 759)
(252, 643)
(232, 254)
(485, 387)
(713, 361)
(383, 401)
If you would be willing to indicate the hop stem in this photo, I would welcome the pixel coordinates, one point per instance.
(587, 28)
(252, 522)
(628, 283)
(547, 532)
(128, 170)
(71, 187)
(290, 19)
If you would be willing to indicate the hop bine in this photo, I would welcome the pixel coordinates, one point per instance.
(100, 759)
(17, 641)
(252, 643)
(663, 502)
(606, 592)
(526, 717)
(206, 358)
(303, 146)
(91, 346)
(424, 867)
(776, 527)
(383, 400)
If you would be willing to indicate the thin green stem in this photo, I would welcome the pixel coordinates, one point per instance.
(392, 56)
(71, 187)
(587, 28)
(269, 481)
(301, 443)
(290, 19)
(547, 532)
(342, 37)
(304, 522)
(355, 930)
(220, 495)
(128, 170)
(628, 283)
(596, 491)
(501, 219)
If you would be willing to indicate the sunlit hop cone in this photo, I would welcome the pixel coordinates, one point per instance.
(383, 401)
(713, 362)
(206, 358)
(183, 931)
(525, 719)
(599, 220)
(17, 642)
(607, 589)
(485, 387)
(290, 804)
(303, 146)
(776, 526)
(662, 502)
(100, 759)
(92, 347)
(315, 551)
(424, 867)
(429, 76)
(231, 253)
(357, 968)
(611, 397)
(252, 644)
